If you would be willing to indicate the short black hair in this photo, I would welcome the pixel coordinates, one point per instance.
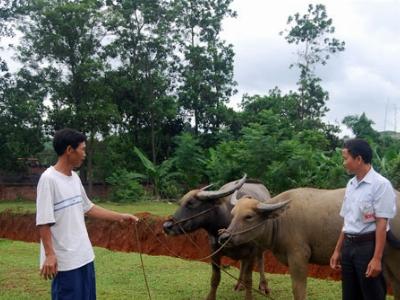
(359, 147)
(67, 137)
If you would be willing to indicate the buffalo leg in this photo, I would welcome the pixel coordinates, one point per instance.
(240, 283)
(247, 266)
(298, 266)
(215, 277)
(391, 260)
(263, 285)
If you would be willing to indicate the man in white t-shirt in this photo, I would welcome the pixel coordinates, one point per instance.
(66, 254)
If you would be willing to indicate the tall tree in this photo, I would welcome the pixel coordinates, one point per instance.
(62, 43)
(207, 66)
(21, 134)
(21, 109)
(312, 33)
(143, 47)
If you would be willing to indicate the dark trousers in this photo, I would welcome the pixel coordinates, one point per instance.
(355, 259)
(78, 284)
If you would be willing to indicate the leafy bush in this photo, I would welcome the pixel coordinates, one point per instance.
(188, 160)
(125, 186)
(280, 156)
(394, 172)
(161, 176)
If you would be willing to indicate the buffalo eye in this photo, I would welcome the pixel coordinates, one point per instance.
(190, 203)
(248, 217)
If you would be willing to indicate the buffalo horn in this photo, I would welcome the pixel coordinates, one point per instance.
(211, 195)
(234, 198)
(206, 187)
(267, 207)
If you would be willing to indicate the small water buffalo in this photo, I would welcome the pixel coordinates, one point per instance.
(210, 210)
(301, 226)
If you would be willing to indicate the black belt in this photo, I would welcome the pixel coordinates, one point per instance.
(370, 236)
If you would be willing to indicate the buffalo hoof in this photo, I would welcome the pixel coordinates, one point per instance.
(211, 296)
(263, 287)
(239, 287)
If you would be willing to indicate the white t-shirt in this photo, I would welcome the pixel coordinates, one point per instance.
(372, 197)
(62, 202)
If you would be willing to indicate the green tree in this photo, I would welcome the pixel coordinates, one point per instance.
(21, 134)
(142, 79)
(61, 42)
(160, 176)
(207, 66)
(312, 33)
(275, 151)
(21, 109)
(361, 126)
(189, 160)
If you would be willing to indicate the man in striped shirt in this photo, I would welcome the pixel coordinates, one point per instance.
(66, 254)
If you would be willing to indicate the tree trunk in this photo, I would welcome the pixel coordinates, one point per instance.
(153, 140)
(90, 151)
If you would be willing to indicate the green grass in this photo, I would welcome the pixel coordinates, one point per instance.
(159, 208)
(119, 276)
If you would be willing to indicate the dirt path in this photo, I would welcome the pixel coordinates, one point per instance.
(153, 241)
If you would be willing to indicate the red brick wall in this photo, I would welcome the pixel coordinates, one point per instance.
(28, 192)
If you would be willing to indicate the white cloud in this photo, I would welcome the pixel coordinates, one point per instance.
(363, 78)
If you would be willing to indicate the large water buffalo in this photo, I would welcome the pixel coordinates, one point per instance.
(301, 226)
(210, 210)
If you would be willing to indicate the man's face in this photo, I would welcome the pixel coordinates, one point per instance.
(350, 163)
(78, 155)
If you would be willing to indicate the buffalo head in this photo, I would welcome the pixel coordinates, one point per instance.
(197, 208)
(249, 218)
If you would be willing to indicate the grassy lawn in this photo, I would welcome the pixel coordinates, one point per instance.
(119, 276)
(159, 208)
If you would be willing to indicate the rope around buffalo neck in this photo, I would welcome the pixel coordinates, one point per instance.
(198, 247)
(219, 267)
(242, 231)
(192, 217)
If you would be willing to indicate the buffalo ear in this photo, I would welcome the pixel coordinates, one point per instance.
(271, 211)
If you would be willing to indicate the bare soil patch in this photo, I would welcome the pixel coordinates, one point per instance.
(152, 240)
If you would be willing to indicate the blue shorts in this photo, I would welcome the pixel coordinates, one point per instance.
(78, 284)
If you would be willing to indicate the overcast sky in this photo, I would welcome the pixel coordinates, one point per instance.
(363, 78)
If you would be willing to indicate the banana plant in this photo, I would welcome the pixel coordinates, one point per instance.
(157, 175)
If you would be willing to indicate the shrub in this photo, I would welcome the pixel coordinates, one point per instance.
(125, 186)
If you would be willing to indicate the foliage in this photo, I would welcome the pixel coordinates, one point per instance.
(361, 126)
(189, 160)
(206, 73)
(156, 76)
(393, 172)
(142, 48)
(125, 186)
(21, 130)
(386, 147)
(160, 176)
(275, 152)
(312, 33)
(61, 45)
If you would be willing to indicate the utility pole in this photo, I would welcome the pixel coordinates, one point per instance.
(386, 111)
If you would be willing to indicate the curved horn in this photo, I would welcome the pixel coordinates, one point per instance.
(234, 198)
(272, 208)
(210, 195)
(206, 187)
